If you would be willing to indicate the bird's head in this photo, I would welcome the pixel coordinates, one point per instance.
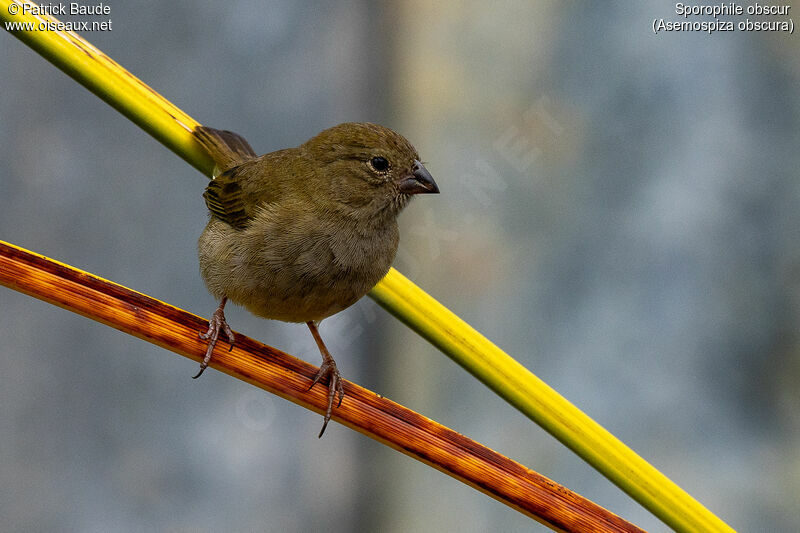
(368, 168)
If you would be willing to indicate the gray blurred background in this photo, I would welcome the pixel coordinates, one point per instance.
(619, 211)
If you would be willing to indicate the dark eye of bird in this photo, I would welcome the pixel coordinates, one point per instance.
(380, 164)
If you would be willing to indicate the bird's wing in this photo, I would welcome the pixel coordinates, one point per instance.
(236, 195)
(244, 181)
(231, 152)
(225, 198)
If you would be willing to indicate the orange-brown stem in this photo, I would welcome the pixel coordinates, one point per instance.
(280, 373)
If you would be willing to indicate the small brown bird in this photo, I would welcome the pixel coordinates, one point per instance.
(303, 233)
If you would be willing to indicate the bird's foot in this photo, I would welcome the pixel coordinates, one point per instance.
(216, 324)
(328, 369)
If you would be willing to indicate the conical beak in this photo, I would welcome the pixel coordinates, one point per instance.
(419, 182)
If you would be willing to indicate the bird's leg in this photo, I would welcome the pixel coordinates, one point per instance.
(327, 368)
(216, 324)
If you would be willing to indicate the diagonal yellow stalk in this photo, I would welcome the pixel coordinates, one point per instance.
(500, 372)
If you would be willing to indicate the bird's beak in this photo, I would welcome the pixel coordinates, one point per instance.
(419, 181)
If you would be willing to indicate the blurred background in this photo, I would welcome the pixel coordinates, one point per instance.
(619, 212)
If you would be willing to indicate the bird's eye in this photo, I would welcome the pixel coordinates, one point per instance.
(379, 164)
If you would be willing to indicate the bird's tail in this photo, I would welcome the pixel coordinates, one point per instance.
(226, 148)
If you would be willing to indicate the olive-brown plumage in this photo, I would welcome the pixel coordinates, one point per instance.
(302, 233)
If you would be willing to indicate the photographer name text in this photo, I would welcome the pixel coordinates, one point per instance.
(63, 9)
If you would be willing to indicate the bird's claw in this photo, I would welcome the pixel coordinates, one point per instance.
(216, 324)
(328, 369)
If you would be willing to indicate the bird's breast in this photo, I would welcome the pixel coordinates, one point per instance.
(307, 270)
